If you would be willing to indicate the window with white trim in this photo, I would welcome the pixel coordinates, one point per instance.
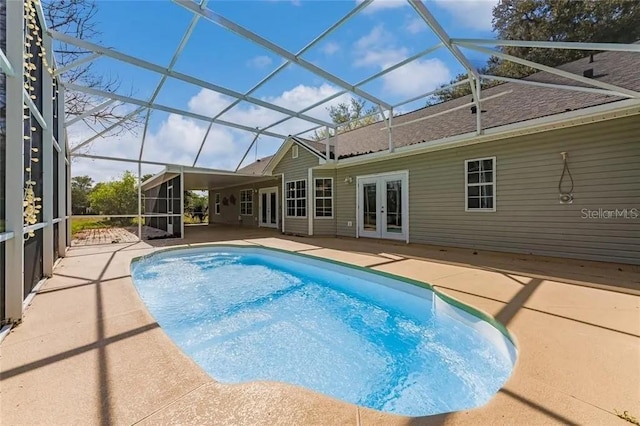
(296, 198)
(294, 151)
(323, 191)
(246, 202)
(480, 184)
(216, 200)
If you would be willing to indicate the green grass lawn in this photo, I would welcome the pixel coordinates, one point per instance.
(188, 219)
(80, 224)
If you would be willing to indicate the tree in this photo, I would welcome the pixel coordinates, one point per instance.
(195, 204)
(77, 18)
(81, 187)
(461, 90)
(116, 196)
(590, 21)
(349, 116)
(595, 21)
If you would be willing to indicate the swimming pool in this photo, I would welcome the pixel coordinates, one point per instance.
(249, 313)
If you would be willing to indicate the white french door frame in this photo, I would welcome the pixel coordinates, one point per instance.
(404, 174)
(270, 208)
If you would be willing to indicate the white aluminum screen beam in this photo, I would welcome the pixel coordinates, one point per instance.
(14, 184)
(609, 47)
(164, 108)
(107, 130)
(280, 68)
(400, 64)
(433, 92)
(243, 32)
(554, 86)
(435, 26)
(152, 163)
(34, 109)
(233, 104)
(5, 66)
(478, 93)
(47, 162)
(76, 63)
(89, 112)
(363, 82)
(307, 131)
(556, 71)
(247, 151)
(62, 176)
(172, 63)
(177, 75)
(144, 132)
(310, 107)
(448, 110)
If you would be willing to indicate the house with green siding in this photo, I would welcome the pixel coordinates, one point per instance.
(554, 172)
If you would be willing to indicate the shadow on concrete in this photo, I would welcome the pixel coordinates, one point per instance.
(613, 277)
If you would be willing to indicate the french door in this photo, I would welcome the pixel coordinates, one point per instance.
(268, 207)
(383, 206)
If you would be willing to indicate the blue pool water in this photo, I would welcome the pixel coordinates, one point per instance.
(246, 314)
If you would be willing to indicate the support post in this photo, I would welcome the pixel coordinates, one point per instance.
(335, 144)
(311, 196)
(68, 193)
(181, 201)
(391, 146)
(47, 163)
(327, 147)
(283, 203)
(14, 248)
(139, 201)
(479, 107)
(62, 177)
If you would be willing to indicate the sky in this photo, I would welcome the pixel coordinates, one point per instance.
(384, 33)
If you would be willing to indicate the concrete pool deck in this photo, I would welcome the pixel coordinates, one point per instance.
(88, 352)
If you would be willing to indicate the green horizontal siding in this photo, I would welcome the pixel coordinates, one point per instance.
(604, 159)
(297, 169)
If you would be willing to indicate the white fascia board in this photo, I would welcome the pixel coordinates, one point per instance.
(154, 177)
(203, 170)
(311, 149)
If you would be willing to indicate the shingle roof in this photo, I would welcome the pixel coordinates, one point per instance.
(521, 103)
(257, 167)
(524, 102)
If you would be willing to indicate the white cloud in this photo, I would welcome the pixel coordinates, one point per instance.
(374, 38)
(378, 50)
(330, 48)
(473, 14)
(416, 26)
(259, 62)
(177, 139)
(417, 77)
(379, 5)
